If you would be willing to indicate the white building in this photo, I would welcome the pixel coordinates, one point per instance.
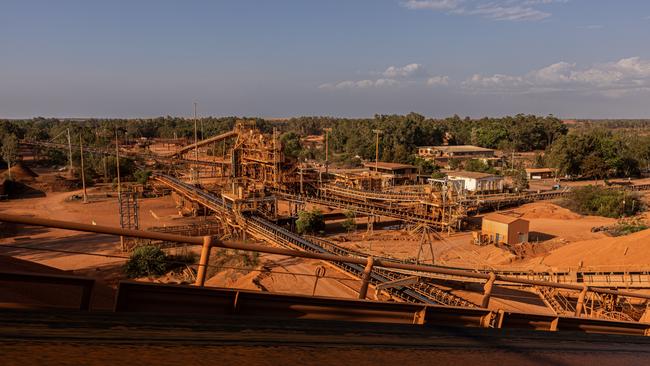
(477, 182)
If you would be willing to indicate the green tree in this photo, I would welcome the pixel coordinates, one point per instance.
(595, 153)
(349, 224)
(607, 202)
(520, 180)
(455, 163)
(291, 145)
(310, 222)
(425, 167)
(9, 151)
(476, 165)
(593, 166)
(142, 176)
(539, 161)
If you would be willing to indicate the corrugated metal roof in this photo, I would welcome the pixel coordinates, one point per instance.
(457, 148)
(391, 166)
(466, 174)
(504, 219)
(540, 170)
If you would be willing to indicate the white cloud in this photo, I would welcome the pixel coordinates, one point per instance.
(512, 13)
(431, 4)
(408, 71)
(591, 26)
(612, 79)
(438, 81)
(411, 74)
(359, 84)
(502, 10)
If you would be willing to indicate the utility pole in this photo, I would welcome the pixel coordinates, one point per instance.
(301, 180)
(119, 185)
(276, 171)
(117, 163)
(83, 174)
(105, 170)
(196, 137)
(327, 145)
(377, 132)
(202, 130)
(70, 152)
(195, 169)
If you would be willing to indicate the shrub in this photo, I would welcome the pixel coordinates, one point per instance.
(593, 200)
(142, 176)
(182, 257)
(240, 261)
(349, 224)
(310, 222)
(625, 227)
(146, 261)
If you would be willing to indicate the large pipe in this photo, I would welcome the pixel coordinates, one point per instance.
(294, 253)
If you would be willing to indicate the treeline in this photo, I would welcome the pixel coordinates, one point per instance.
(606, 149)
(613, 123)
(585, 152)
(599, 153)
(101, 132)
(402, 134)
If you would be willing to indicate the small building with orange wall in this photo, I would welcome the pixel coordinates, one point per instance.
(498, 228)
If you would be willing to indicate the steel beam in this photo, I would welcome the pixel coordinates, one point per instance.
(301, 254)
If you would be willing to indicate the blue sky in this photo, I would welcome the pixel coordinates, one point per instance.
(137, 58)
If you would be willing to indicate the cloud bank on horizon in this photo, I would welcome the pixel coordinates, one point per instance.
(120, 58)
(506, 10)
(612, 79)
(411, 74)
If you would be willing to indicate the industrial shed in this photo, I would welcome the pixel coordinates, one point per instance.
(480, 183)
(498, 228)
(541, 173)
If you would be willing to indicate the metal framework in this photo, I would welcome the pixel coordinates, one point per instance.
(128, 206)
(257, 174)
(490, 279)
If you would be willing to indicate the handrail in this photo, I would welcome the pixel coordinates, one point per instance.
(17, 219)
(86, 284)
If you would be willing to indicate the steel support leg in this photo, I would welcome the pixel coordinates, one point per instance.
(487, 290)
(581, 301)
(203, 262)
(365, 278)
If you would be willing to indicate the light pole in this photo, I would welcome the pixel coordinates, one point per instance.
(377, 133)
(327, 145)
